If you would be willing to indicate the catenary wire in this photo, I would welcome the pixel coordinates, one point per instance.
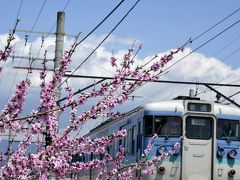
(197, 37)
(209, 30)
(38, 53)
(119, 22)
(199, 47)
(210, 69)
(98, 25)
(208, 41)
(15, 74)
(215, 36)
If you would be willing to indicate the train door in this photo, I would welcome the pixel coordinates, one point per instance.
(197, 161)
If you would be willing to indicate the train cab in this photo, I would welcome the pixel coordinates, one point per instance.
(210, 145)
(208, 133)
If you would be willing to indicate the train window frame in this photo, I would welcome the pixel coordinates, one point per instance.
(153, 126)
(197, 123)
(237, 131)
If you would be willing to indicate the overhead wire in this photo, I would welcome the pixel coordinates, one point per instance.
(39, 13)
(197, 37)
(15, 75)
(180, 59)
(19, 9)
(229, 75)
(98, 25)
(229, 27)
(199, 47)
(214, 38)
(208, 70)
(207, 30)
(35, 22)
(44, 38)
(195, 51)
(12, 33)
(119, 22)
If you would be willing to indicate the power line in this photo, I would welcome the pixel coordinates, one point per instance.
(214, 66)
(199, 47)
(93, 28)
(15, 75)
(103, 78)
(66, 5)
(81, 90)
(39, 13)
(19, 9)
(211, 39)
(201, 34)
(231, 96)
(56, 21)
(204, 32)
(157, 81)
(71, 75)
(219, 82)
(101, 41)
(128, 79)
(210, 69)
(101, 22)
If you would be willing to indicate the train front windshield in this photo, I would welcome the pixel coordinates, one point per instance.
(162, 125)
(228, 129)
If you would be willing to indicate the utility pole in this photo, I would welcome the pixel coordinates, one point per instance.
(58, 56)
(59, 51)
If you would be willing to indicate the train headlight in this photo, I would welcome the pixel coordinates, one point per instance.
(161, 150)
(231, 173)
(232, 154)
(161, 170)
(220, 152)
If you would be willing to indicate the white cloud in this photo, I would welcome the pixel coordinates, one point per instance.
(196, 67)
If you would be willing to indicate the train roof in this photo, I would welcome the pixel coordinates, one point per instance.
(175, 105)
(112, 120)
(226, 109)
(164, 105)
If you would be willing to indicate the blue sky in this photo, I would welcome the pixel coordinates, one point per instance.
(158, 25)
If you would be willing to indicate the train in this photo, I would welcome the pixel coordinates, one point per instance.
(209, 149)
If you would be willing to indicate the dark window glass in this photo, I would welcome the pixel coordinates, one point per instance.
(167, 126)
(228, 129)
(148, 125)
(162, 125)
(133, 141)
(199, 128)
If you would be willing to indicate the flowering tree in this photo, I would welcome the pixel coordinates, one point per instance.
(55, 157)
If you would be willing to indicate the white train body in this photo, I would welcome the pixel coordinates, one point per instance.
(210, 148)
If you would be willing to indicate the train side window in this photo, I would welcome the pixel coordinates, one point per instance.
(228, 129)
(162, 125)
(148, 125)
(198, 128)
(133, 141)
(129, 141)
(167, 125)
